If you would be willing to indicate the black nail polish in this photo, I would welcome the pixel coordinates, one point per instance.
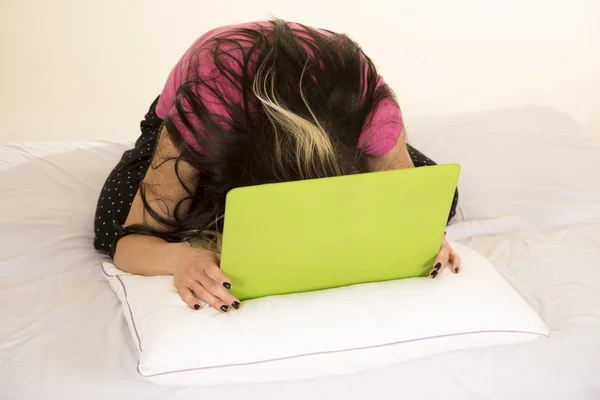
(196, 306)
(227, 285)
(235, 304)
(433, 274)
(456, 270)
(437, 266)
(224, 308)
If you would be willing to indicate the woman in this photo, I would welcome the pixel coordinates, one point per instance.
(246, 105)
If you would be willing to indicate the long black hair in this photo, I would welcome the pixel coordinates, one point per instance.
(294, 102)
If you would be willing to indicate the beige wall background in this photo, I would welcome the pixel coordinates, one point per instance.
(88, 70)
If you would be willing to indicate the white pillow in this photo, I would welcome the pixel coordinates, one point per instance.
(322, 333)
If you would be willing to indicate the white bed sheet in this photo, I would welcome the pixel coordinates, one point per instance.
(63, 336)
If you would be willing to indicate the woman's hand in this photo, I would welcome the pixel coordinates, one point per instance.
(445, 258)
(198, 277)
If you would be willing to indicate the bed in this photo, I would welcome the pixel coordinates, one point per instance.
(530, 203)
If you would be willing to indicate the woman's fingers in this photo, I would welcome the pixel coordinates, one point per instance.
(199, 277)
(206, 296)
(441, 260)
(217, 275)
(218, 287)
(215, 282)
(454, 262)
(189, 298)
(447, 257)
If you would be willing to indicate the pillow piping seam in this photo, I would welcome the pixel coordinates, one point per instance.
(139, 342)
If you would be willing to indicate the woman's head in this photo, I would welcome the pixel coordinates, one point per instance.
(278, 102)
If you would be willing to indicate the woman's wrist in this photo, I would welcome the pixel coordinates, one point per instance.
(180, 255)
(177, 254)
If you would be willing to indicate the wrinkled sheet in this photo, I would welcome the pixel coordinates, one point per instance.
(63, 335)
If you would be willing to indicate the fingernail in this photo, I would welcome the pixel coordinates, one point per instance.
(235, 304)
(224, 308)
(227, 285)
(437, 266)
(196, 306)
(433, 274)
(456, 270)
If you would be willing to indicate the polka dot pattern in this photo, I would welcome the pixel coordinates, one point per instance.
(123, 182)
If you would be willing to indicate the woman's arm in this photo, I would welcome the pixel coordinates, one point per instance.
(195, 270)
(148, 255)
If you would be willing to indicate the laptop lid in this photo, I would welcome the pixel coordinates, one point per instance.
(322, 233)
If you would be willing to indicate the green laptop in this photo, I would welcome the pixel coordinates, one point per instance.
(323, 233)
